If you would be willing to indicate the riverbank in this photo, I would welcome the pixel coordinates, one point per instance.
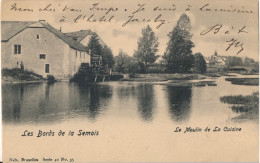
(20, 76)
(248, 106)
(244, 81)
(198, 80)
(24, 76)
(166, 77)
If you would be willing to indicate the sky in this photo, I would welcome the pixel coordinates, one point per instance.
(119, 37)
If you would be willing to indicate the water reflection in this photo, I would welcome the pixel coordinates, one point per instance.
(53, 102)
(44, 100)
(62, 101)
(16, 103)
(145, 97)
(13, 99)
(93, 99)
(240, 109)
(179, 102)
(127, 91)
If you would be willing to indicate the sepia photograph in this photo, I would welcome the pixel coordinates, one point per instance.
(130, 81)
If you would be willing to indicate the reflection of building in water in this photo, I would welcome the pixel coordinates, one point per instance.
(44, 100)
(145, 97)
(50, 103)
(12, 102)
(179, 101)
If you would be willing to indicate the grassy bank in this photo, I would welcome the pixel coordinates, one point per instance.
(243, 81)
(248, 106)
(18, 75)
(197, 80)
(165, 77)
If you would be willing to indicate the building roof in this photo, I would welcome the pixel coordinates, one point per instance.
(12, 28)
(80, 35)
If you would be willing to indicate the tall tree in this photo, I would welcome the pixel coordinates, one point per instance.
(147, 47)
(94, 45)
(107, 57)
(178, 55)
(199, 63)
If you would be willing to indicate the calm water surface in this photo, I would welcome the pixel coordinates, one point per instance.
(123, 101)
(136, 122)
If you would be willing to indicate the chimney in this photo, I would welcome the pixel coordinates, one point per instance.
(60, 28)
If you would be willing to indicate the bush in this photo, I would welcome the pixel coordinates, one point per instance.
(199, 63)
(132, 67)
(156, 68)
(51, 79)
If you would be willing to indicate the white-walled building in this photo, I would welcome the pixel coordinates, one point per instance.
(41, 48)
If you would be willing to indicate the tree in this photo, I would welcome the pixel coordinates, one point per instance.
(199, 63)
(121, 61)
(147, 47)
(94, 45)
(248, 61)
(132, 66)
(234, 61)
(126, 64)
(107, 57)
(97, 49)
(178, 55)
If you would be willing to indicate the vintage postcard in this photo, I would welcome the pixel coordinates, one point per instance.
(130, 81)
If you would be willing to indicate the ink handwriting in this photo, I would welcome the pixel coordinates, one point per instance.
(215, 29)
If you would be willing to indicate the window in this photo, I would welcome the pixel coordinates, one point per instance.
(42, 56)
(80, 54)
(76, 53)
(47, 68)
(84, 55)
(17, 49)
(38, 37)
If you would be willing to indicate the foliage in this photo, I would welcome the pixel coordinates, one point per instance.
(126, 64)
(248, 61)
(178, 55)
(147, 47)
(156, 68)
(120, 62)
(132, 66)
(97, 49)
(51, 79)
(234, 61)
(199, 63)
(255, 67)
(107, 57)
(247, 105)
(94, 45)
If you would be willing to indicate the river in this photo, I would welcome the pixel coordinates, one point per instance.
(136, 118)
